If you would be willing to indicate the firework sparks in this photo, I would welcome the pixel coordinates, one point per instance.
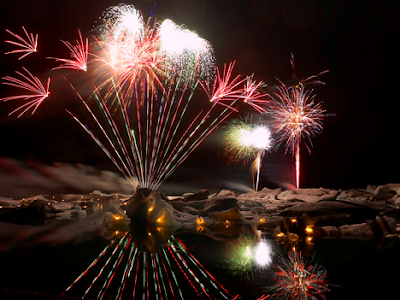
(298, 279)
(147, 121)
(147, 85)
(247, 254)
(124, 270)
(27, 46)
(185, 51)
(130, 47)
(296, 116)
(79, 53)
(245, 141)
(252, 95)
(224, 88)
(30, 83)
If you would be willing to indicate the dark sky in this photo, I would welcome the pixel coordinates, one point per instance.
(355, 40)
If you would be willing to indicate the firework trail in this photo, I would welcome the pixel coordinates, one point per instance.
(30, 83)
(149, 80)
(246, 141)
(296, 116)
(298, 279)
(124, 270)
(79, 52)
(147, 102)
(27, 46)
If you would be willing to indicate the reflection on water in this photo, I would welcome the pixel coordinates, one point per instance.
(248, 254)
(150, 263)
(290, 274)
(296, 278)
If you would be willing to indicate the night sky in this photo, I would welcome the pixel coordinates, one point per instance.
(355, 40)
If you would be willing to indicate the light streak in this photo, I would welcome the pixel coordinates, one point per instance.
(224, 88)
(253, 96)
(296, 116)
(29, 83)
(79, 53)
(298, 279)
(27, 46)
(131, 272)
(146, 101)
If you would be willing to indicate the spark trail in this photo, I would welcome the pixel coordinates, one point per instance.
(29, 83)
(147, 109)
(79, 53)
(296, 115)
(27, 46)
(124, 270)
(147, 106)
(298, 279)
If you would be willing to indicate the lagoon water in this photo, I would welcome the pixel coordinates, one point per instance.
(156, 263)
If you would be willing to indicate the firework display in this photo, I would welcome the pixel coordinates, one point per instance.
(123, 270)
(298, 279)
(148, 81)
(246, 141)
(248, 254)
(26, 46)
(296, 115)
(79, 52)
(29, 83)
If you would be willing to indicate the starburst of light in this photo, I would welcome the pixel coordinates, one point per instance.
(225, 89)
(298, 279)
(246, 255)
(185, 50)
(129, 48)
(30, 83)
(79, 53)
(245, 141)
(295, 117)
(27, 46)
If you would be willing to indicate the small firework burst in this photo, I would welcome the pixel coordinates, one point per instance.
(298, 279)
(30, 83)
(296, 116)
(79, 53)
(247, 254)
(246, 141)
(26, 46)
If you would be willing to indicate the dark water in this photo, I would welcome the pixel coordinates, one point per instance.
(191, 265)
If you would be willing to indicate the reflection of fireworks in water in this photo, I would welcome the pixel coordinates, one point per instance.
(298, 279)
(246, 140)
(296, 116)
(123, 271)
(147, 80)
(247, 254)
